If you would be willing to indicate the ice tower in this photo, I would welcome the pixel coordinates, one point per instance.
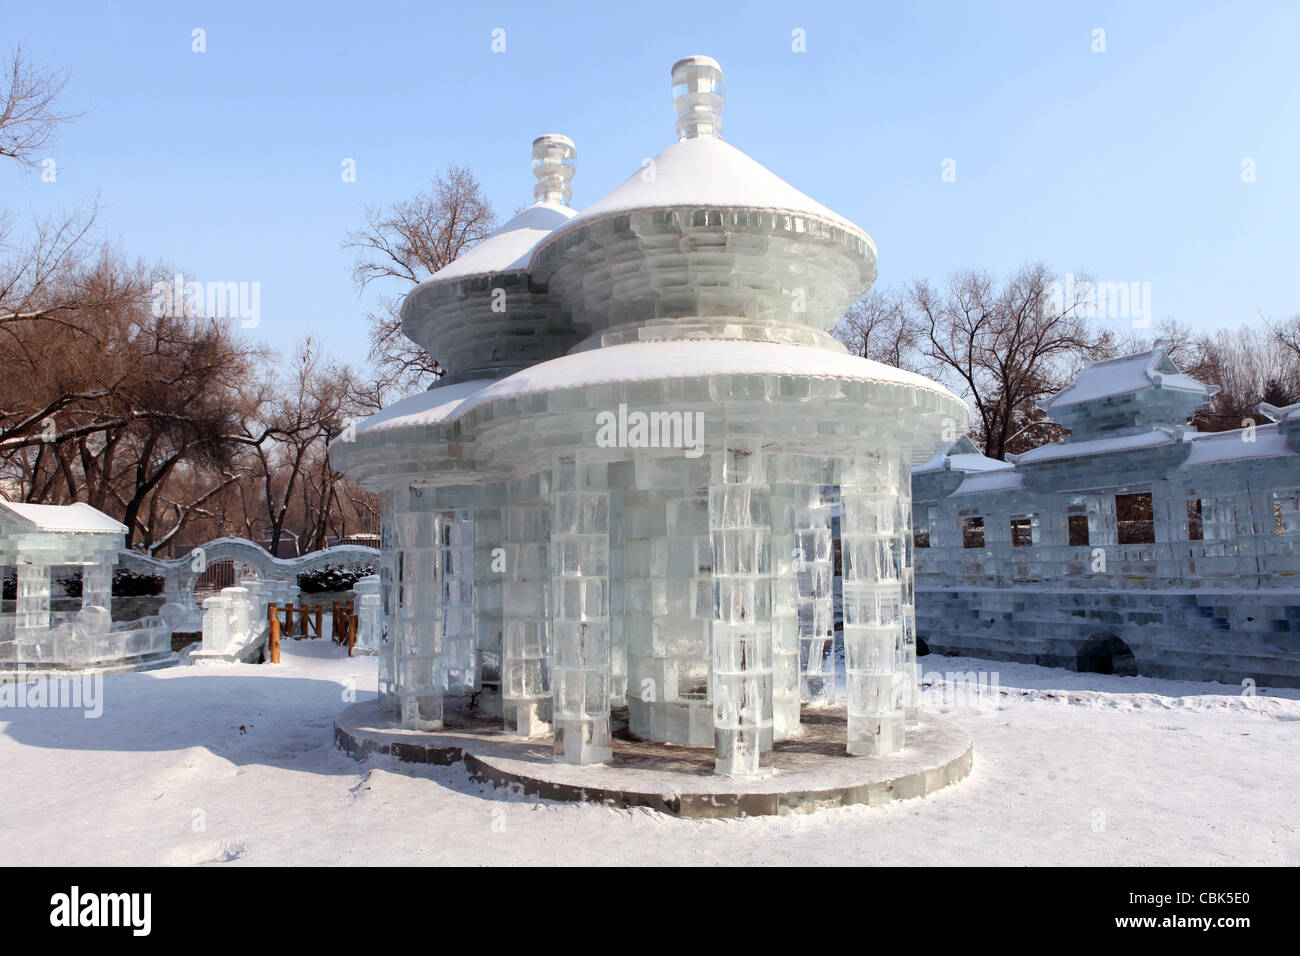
(620, 495)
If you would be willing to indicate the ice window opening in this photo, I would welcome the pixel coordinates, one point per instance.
(1076, 527)
(1134, 518)
(1195, 526)
(1023, 528)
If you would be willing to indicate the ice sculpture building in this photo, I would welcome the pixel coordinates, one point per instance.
(620, 495)
(39, 538)
(1135, 545)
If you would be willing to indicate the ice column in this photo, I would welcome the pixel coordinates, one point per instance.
(580, 635)
(785, 613)
(97, 586)
(525, 638)
(740, 528)
(815, 572)
(417, 617)
(459, 649)
(907, 595)
(32, 604)
(669, 598)
(617, 590)
(386, 641)
(871, 546)
(489, 572)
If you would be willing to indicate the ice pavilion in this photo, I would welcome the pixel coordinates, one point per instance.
(620, 495)
(38, 538)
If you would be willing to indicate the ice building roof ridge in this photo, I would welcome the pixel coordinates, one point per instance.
(963, 456)
(1280, 413)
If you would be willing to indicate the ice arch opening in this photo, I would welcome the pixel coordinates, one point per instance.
(1106, 654)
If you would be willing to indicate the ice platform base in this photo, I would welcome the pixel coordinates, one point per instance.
(810, 771)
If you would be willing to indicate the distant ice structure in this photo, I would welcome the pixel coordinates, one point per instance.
(1135, 545)
(38, 538)
(623, 487)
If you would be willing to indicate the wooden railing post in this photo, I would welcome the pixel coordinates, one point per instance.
(288, 619)
(319, 610)
(273, 640)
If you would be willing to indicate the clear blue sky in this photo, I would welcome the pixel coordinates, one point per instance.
(1126, 163)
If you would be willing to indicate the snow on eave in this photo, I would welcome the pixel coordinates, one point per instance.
(1096, 446)
(1240, 444)
(77, 518)
(434, 406)
(990, 481)
(507, 250)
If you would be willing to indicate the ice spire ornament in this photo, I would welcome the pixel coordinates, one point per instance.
(553, 157)
(698, 96)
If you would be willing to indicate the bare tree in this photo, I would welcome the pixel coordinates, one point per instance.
(404, 243)
(29, 118)
(1005, 347)
(878, 327)
(1287, 334)
(311, 407)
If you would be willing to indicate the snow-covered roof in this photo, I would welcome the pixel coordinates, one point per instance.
(432, 407)
(509, 248)
(1097, 446)
(1265, 441)
(1125, 375)
(961, 455)
(990, 481)
(706, 172)
(78, 518)
(643, 361)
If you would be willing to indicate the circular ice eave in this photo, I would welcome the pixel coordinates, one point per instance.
(645, 361)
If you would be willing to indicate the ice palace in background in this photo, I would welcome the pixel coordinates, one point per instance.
(1136, 545)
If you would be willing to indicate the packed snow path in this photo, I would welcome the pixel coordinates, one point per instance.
(236, 763)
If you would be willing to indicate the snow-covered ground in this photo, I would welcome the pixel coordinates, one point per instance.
(236, 763)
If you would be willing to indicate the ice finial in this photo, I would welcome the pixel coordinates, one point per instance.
(698, 95)
(553, 157)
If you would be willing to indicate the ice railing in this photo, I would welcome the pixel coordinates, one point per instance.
(88, 637)
(180, 574)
